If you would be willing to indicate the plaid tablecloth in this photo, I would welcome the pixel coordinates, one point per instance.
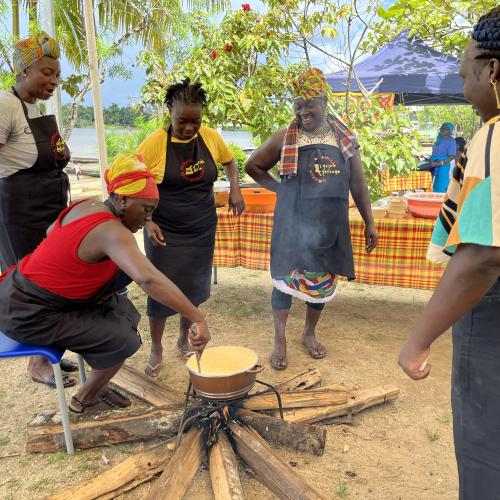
(398, 260)
(416, 180)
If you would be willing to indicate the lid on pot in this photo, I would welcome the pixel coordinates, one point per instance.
(223, 360)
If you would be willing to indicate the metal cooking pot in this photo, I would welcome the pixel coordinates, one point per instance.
(227, 372)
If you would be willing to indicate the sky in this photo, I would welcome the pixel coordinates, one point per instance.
(125, 92)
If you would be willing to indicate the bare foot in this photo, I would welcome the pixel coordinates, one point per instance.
(153, 366)
(183, 348)
(279, 359)
(41, 371)
(314, 348)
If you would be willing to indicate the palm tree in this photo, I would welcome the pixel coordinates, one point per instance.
(149, 21)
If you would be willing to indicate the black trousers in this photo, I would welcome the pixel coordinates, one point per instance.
(475, 396)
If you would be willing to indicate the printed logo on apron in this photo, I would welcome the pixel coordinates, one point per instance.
(58, 146)
(323, 167)
(193, 171)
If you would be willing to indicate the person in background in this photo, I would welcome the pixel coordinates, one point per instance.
(443, 153)
(33, 187)
(63, 294)
(311, 241)
(460, 143)
(467, 234)
(180, 238)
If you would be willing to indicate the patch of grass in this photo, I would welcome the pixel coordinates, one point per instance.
(14, 486)
(40, 484)
(433, 436)
(4, 440)
(57, 458)
(3, 395)
(244, 310)
(23, 462)
(375, 337)
(125, 448)
(87, 466)
(444, 419)
(341, 489)
(13, 483)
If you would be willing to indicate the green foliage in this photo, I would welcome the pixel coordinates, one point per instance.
(127, 141)
(342, 489)
(463, 117)
(240, 63)
(7, 79)
(122, 116)
(444, 25)
(386, 138)
(240, 157)
(432, 436)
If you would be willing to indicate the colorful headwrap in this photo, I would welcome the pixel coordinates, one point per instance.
(312, 83)
(30, 50)
(128, 176)
(450, 127)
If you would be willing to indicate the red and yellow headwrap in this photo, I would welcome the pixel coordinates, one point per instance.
(30, 50)
(311, 83)
(128, 176)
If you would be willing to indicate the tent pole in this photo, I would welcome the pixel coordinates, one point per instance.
(96, 89)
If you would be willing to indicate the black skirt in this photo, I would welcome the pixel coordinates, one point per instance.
(103, 333)
(475, 397)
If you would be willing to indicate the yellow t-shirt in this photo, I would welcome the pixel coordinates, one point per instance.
(154, 149)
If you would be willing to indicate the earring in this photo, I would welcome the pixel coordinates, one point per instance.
(495, 91)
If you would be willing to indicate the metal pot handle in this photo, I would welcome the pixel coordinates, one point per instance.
(256, 369)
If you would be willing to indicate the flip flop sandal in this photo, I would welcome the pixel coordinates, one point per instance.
(153, 373)
(280, 366)
(76, 406)
(115, 397)
(311, 348)
(51, 382)
(181, 353)
(68, 365)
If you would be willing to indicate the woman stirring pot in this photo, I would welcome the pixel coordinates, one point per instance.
(33, 187)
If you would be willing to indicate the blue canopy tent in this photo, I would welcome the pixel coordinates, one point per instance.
(415, 73)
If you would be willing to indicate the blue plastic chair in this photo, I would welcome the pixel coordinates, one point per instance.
(11, 349)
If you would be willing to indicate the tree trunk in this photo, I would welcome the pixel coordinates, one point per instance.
(358, 401)
(117, 427)
(145, 388)
(279, 477)
(300, 382)
(297, 399)
(180, 471)
(300, 437)
(15, 20)
(224, 471)
(123, 477)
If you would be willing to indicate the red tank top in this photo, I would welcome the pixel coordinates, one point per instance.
(55, 265)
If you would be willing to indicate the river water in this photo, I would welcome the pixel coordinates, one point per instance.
(83, 141)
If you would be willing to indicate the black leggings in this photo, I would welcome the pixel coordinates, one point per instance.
(281, 300)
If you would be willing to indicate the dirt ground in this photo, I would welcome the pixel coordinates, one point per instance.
(403, 450)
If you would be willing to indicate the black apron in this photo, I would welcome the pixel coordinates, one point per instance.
(103, 328)
(187, 217)
(31, 199)
(311, 218)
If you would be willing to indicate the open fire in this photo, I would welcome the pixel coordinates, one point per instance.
(221, 431)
